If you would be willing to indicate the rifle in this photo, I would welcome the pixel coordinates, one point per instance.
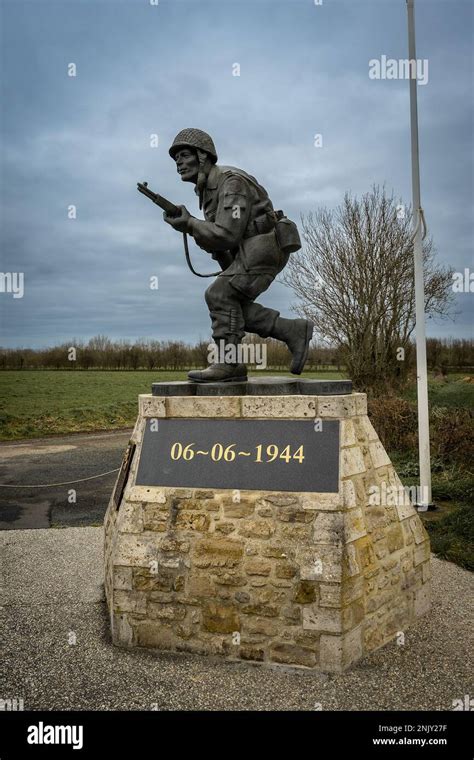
(171, 210)
(163, 203)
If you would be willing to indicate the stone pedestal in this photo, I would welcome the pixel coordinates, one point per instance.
(300, 578)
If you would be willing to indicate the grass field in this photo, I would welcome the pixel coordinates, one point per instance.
(48, 402)
(457, 390)
(39, 403)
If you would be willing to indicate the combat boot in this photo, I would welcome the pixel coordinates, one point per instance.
(219, 373)
(297, 334)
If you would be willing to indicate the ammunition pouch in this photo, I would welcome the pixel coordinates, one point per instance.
(261, 253)
(287, 234)
(260, 225)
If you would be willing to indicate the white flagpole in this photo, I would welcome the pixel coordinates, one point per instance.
(424, 496)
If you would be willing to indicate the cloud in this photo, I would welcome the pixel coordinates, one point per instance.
(145, 70)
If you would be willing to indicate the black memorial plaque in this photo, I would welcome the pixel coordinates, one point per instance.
(262, 455)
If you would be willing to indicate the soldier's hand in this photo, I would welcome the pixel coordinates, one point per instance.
(181, 222)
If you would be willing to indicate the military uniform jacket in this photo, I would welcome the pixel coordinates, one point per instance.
(239, 221)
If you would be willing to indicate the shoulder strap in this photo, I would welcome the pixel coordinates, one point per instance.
(228, 171)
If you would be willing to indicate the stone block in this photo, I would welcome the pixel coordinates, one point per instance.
(339, 652)
(130, 518)
(394, 538)
(330, 595)
(214, 406)
(252, 653)
(351, 561)
(321, 501)
(257, 567)
(283, 407)
(171, 562)
(225, 528)
(352, 589)
(352, 462)
(148, 634)
(279, 499)
(200, 586)
(294, 514)
(421, 553)
(290, 654)
(220, 618)
(123, 578)
(172, 543)
(257, 529)
(163, 611)
(244, 508)
(229, 578)
(405, 509)
(130, 601)
(305, 592)
(354, 525)
(285, 570)
(325, 619)
(122, 631)
(321, 563)
(348, 436)
(378, 454)
(145, 579)
(328, 528)
(153, 494)
(261, 626)
(368, 429)
(336, 406)
(155, 518)
(416, 527)
(151, 406)
(361, 403)
(189, 520)
(349, 496)
(291, 613)
(218, 552)
(135, 550)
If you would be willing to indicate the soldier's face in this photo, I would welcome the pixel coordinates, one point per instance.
(187, 165)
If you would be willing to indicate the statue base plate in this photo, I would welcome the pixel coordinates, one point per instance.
(255, 386)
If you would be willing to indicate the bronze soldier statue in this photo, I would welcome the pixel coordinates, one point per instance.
(250, 241)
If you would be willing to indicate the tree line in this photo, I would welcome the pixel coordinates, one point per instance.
(104, 354)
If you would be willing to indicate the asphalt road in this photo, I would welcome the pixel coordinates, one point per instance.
(55, 460)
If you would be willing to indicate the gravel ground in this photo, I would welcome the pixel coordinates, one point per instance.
(53, 587)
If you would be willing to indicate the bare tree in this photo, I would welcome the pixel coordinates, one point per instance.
(355, 280)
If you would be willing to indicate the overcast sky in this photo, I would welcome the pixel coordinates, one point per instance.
(144, 69)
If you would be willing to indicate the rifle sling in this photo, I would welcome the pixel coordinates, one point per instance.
(188, 260)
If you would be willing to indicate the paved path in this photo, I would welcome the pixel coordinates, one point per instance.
(55, 460)
(53, 592)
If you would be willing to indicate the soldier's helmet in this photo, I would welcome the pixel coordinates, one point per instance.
(193, 138)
